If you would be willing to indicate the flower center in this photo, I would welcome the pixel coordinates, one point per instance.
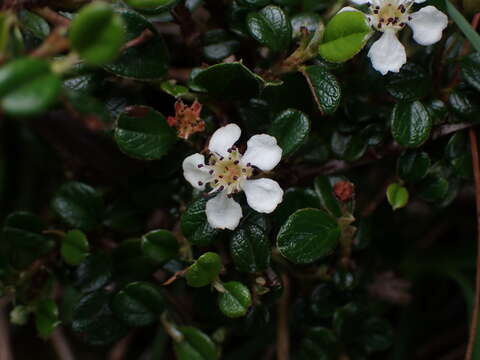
(390, 14)
(229, 173)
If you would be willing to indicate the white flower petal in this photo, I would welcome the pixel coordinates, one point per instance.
(224, 138)
(428, 24)
(263, 152)
(348, 8)
(196, 176)
(360, 2)
(387, 53)
(263, 195)
(223, 212)
(419, 1)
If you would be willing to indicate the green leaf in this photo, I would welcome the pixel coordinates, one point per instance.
(291, 128)
(308, 235)
(204, 270)
(345, 35)
(413, 166)
(75, 247)
(463, 24)
(34, 23)
(253, 3)
(397, 196)
(160, 245)
(459, 155)
(250, 248)
(151, 7)
(464, 104)
(411, 83)
(195, 345)
(171, 88)
(434, 188)
(147, 61)
(97, 33)
(94, 318)
(27, 87)
(270, 27)
(195, 226)
(94, 272)
(229, 81)
(138, 304)
(22, 239)
(411, 124)
(46, 317)
(143, 133)
(219, 44)
(471, 69)
(78, 205)
(294, 199)
(235, 300)
(324, 189)
(325, 88)
(349, 147)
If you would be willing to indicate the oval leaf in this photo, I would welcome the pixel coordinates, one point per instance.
(203, 271)
(325, 88)
(397, 196)
(195, 226)
(291, 128)
(235, 300)
(195, 345)
(160, 245)
(74, 247)
(250, 249)
(411, 124)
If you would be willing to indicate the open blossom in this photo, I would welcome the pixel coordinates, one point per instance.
(229, 172)
(391, 16)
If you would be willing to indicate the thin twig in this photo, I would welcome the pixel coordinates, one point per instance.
(54, 44)
(51, 16)
(283, 336)
(184, 19)
(146, 35)
(61, 346)
(476, 172)
(119, 350)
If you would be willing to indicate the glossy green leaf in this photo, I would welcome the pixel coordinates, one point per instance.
(434, 188)
(146, 61)
(325, 88)
(75, 247)
(324, 189)
(235, 300)
(459, 155)
(94, 318)
(160, 245)
(270, 27)
(308, 235)
(349, 147)
(464, 104)
(78, 205)
(294, 199)
(413, 166)
(253, 3)
(345, 35)
(411, 83)
(171, 88)
(34, 23)
(397, 196)
(219, 44)
(27, 87)
(46, 317)
(204, 270)
(151, 6)
(143, 133)
(97, 33)
(94, 272)
(195, 226)
(411, 124)
(195, 345)
(229, 81)
(471, 69)
(250, 248)
(291, 128)
(138, 304)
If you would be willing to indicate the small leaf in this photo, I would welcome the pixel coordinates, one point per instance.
(78, 205)
(250, 248)
(204, 270)
(308, 235)
(471, 69)
(195, 345)
(94, 272)
(325, 88)
(138, 304)
(434, 188)
(27, 87)
(413, 166)
(397, 196)
(151, 7)
(146, 61)
(411, 83)
(270, 27)
(34, 23)
(236, 299)
(294, 199)
(345, 35)
(219, 44)
(143, 133)
(411, 124)
(97, 33)
(229, 81)
(349, 147)
(46, 317)
(195, 226)
(173, 89)
(291, 128)
(160, 245)
(75, 247)
(324, 190)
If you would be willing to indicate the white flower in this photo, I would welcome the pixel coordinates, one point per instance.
(389, 17)
(229, 172)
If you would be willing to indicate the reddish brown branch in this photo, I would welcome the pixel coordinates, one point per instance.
(184, 19)
(146, 35)
(283, 335)
(51, 16)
